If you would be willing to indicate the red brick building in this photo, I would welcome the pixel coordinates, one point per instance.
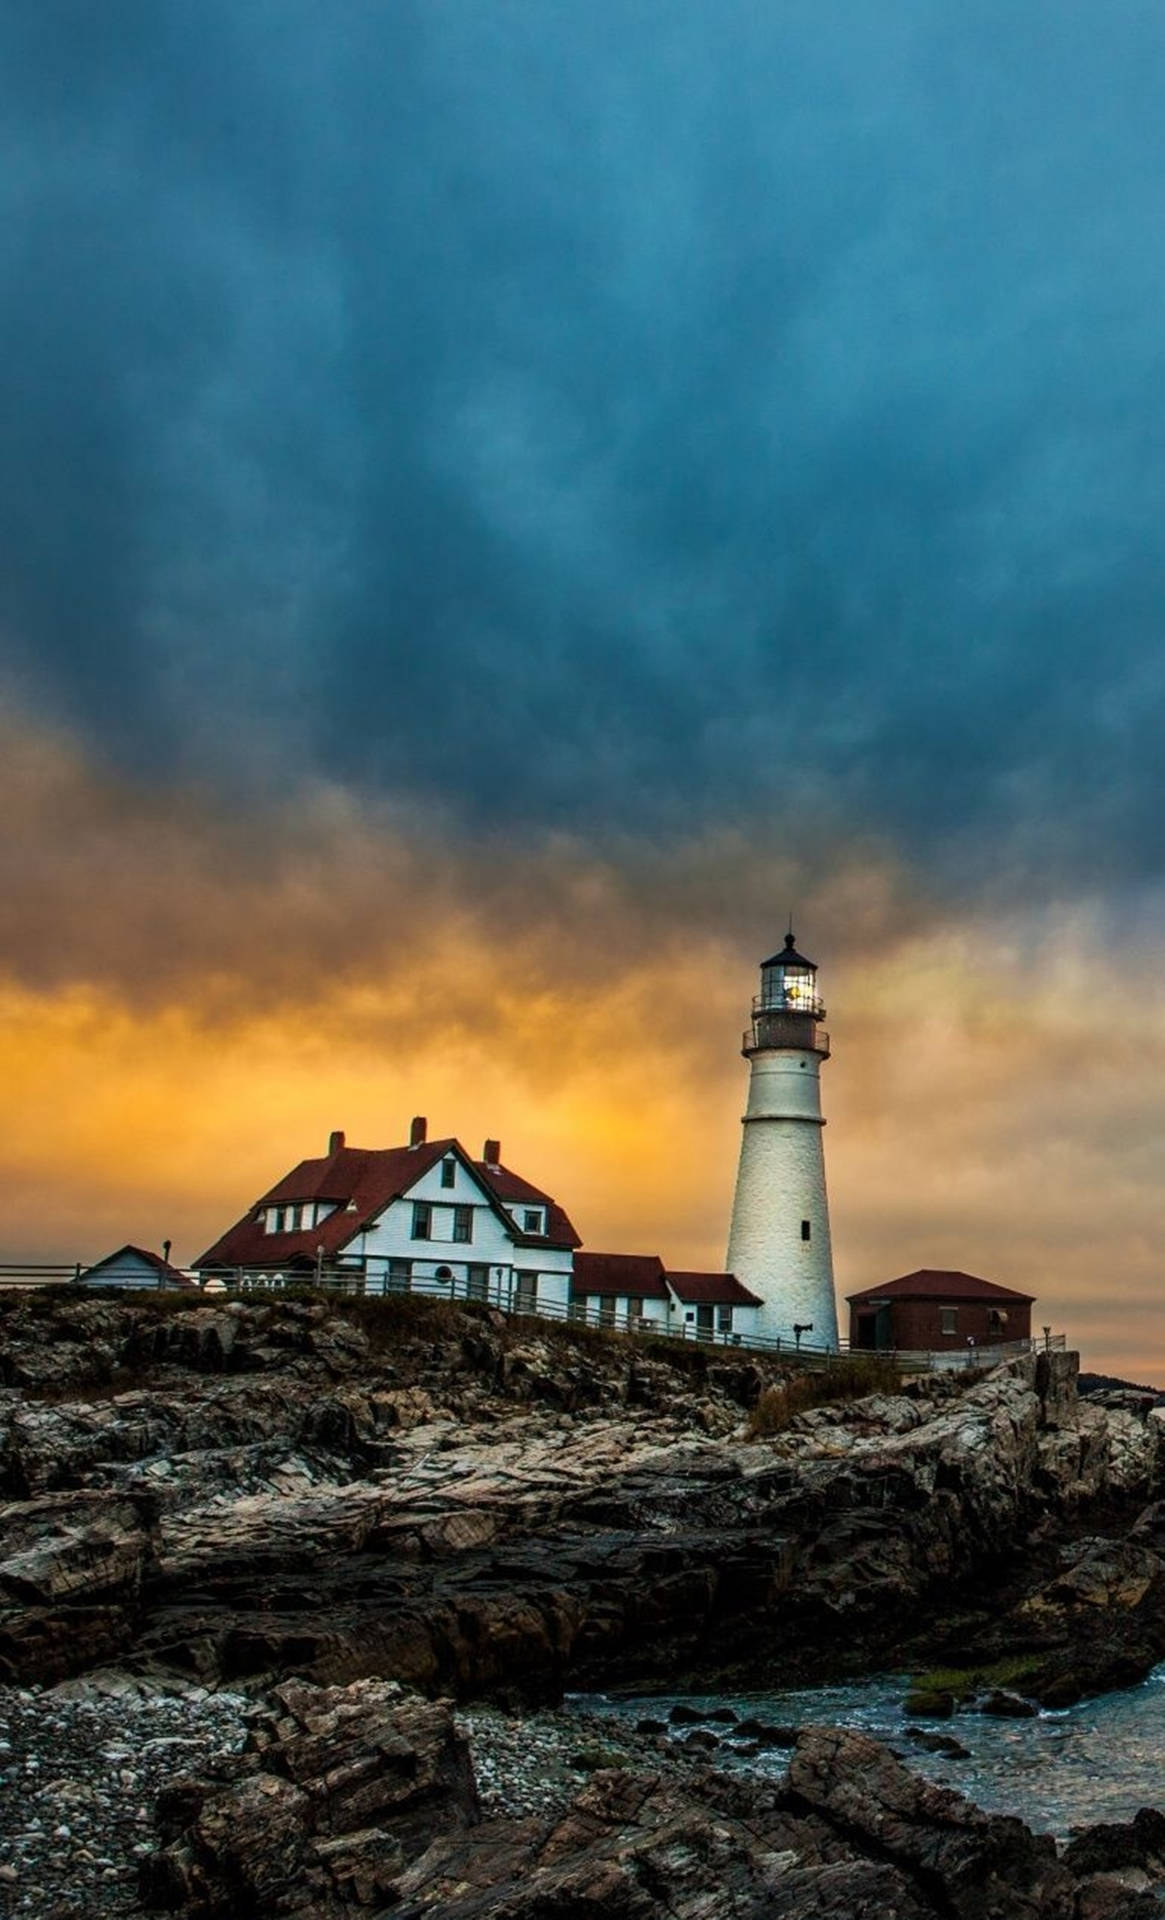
(937, 1312)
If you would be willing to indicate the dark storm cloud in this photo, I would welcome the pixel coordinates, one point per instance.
(614, 418)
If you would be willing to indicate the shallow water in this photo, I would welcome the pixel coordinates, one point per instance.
(1100, 1760)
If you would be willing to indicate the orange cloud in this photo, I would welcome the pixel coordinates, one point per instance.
(193, 1001)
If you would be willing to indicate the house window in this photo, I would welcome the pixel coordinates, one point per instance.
(527, 1295)
(607, 1305)
(578, 1308)
(448, 1172)
(806, 1230)
(477, 1282)
(277, 1220)
(948, 1319)
(422, 1220)
(399, 1278)
(724, 1319)
(463, 1223)
(532, 1220)
(997, 1320)
(444, 1273)
(634, 1313)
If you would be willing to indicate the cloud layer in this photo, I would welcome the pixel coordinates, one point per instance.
(597, 420)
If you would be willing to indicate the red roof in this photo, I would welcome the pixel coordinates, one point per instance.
(636, 1275)
(712, 1289)
(361, 1182)
(511, 1190)
(931, 1283)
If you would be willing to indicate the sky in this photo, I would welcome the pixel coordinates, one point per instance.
(501, 505)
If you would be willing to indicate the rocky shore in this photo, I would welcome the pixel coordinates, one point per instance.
(365, 1799)
(216, 1504)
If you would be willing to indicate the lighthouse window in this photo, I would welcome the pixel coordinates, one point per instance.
(806, 1230)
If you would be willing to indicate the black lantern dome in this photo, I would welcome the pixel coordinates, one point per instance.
(788, 983)
(788, 1007)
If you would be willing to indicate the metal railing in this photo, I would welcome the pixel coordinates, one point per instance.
(785, 1030)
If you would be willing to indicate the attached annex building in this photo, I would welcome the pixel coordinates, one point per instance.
(635, 1290)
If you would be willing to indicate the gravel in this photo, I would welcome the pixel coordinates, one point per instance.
(80, 1765)
(536, 1763)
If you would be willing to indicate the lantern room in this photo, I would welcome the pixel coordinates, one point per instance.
(789, 983)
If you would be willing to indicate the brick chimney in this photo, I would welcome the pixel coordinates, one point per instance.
(419, 1131)
(335, 1142)
(491, 1153)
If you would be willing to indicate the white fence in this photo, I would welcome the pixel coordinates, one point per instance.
(352, 1284)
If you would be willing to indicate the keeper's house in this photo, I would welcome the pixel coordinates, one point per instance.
(424, 1218)
(936, 1312)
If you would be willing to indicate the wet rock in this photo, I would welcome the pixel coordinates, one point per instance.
(764, 1734)
(937, 1743)
(1005, 1705)
(930, 1703)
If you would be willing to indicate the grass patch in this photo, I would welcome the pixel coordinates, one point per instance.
(853, 1379)
(963, 1683)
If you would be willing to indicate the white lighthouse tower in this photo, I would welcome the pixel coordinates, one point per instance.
(778, 1244)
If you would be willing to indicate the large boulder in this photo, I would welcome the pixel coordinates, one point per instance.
(341, 1788)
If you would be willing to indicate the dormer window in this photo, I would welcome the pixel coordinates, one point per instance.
(531, 1220)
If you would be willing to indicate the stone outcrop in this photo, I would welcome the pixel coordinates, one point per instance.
(387, 1489)
(71, 1580)
(344, 1788)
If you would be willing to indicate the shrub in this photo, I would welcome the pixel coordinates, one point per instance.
(851, 1379)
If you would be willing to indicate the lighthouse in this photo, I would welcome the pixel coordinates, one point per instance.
(778, 1243)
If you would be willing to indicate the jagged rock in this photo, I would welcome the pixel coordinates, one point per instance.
(347, 1786)
(1112, 1847)
(983, 1866)
(644, 1847)
(71, 1581)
